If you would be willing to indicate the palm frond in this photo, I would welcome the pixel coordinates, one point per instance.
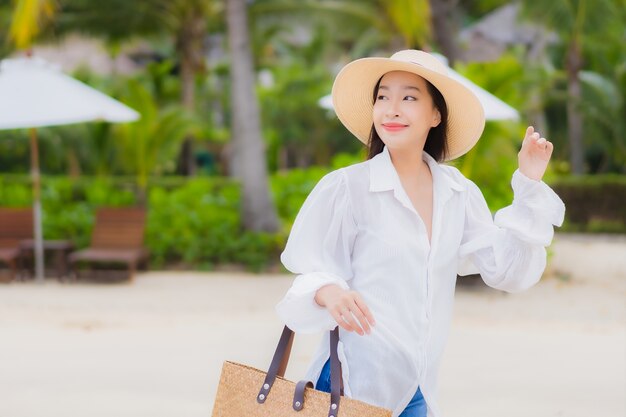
(28, 20)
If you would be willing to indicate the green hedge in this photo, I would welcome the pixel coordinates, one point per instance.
(192, 222)
(593, 203)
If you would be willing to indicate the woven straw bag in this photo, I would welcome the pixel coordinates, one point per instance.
(244, 391)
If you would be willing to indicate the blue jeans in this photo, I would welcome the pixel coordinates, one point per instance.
(416, 407)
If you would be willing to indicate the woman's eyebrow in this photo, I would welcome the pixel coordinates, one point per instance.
(405, 87)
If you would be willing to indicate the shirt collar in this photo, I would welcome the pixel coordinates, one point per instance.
(384, 177)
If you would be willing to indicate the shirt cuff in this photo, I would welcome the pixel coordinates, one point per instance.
(535, 209)
(538, 197)
(298, 309)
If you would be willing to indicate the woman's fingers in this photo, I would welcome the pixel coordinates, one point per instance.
(543, 146)
(534, 140)
(351, 313)
(346, 307)
(340, 321)
(366, 311)
(533, 137)
(529, 131)
(348, 316)
(356, 311)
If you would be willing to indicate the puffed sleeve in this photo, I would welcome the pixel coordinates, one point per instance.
(319, 250)
(509, 251)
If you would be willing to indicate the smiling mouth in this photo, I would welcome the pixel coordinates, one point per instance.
(393, 127)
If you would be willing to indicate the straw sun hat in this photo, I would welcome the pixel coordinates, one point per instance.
(354, 86)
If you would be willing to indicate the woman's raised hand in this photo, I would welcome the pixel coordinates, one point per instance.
(347, 308)
(535, 154)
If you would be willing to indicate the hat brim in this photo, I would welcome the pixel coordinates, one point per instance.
(354, 87)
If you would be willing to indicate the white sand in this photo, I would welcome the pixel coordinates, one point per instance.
(155, 347)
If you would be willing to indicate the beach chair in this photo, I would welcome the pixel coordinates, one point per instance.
(117, 238)
(16, 225)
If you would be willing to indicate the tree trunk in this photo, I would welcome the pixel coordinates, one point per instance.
(186, 163)
(189, 50)
(445, 28)
(574, 117)
(247, 153)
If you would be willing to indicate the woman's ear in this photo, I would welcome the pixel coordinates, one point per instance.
(436, 119)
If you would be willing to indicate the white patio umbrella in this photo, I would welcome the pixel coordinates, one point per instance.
(495, 109)
(35, 93)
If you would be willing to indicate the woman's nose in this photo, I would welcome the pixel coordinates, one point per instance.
(393, 109)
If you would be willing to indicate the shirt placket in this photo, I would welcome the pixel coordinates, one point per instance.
(425, 312)
(429, 275)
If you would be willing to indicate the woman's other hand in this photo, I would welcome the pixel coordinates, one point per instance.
(347, 308)
(535, 154)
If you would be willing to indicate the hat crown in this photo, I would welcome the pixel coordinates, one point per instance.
(421, 58)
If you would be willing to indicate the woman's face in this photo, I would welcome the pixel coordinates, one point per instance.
(404, 111)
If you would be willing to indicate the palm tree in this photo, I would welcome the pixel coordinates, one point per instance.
(577, 22)
(248, 161)
(153, 139)
(187, 21)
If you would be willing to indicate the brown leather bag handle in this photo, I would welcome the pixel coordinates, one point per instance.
(279, 365)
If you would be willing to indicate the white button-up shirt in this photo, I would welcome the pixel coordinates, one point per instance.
(359, 230)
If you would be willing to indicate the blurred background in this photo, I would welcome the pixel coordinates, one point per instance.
(234, 130)
(561, 65)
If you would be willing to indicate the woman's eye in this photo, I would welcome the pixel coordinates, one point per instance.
(410, 98)
(381, 97)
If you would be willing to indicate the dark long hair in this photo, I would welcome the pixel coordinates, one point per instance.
(436, 142)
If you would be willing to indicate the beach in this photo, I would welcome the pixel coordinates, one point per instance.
(155, 346)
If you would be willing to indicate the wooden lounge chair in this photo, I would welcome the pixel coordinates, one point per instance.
(16, 225)
(117, 237)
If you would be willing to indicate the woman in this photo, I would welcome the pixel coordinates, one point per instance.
(377, 245)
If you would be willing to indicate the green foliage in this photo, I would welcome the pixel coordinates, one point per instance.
(291, 188)
(343, 159)
(595, 29)
(410, 18)
(361, 26)
(28, 20)
(575, 18)
(5, 22)
(14, 192)
(298, 131)
(478, 8)
(593, 203)
(493, 159)
(68, 204)
(193, 222)
(119, 20)
(147, 145)
(605, 125)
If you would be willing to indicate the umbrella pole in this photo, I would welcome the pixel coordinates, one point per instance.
(34, 163)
